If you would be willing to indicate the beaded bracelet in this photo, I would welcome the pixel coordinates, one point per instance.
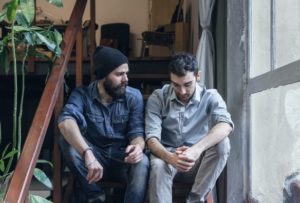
(84, 151)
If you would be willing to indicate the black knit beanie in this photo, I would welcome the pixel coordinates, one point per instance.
(107, 59)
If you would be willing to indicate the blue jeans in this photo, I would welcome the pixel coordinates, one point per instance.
(111, 158)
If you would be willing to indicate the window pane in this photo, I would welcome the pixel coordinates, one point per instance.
(275, 143)
(260, 37)
(287, 34)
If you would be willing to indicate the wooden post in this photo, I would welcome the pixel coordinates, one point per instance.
(92, 42)
(79, 56)
(57, 183)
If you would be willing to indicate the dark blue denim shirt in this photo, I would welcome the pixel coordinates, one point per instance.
(115, 124)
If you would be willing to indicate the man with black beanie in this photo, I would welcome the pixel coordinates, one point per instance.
(103, 130)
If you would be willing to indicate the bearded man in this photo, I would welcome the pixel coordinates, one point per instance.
(103, 130)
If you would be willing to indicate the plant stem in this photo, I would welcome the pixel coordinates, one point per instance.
(15, 98)
(21, 102)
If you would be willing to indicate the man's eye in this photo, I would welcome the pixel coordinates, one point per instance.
(188, 85)
(175, 85)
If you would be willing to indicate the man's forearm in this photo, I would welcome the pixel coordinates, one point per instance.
(159, 150)
(70, 130)
(138, 140)
(213, 137)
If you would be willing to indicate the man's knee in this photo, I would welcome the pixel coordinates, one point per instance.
(159, 167)
(157, 163)
(142, 166)
(223, 148)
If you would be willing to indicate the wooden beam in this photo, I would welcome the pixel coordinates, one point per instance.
(92, 42)
(79, 56)
(57, 183)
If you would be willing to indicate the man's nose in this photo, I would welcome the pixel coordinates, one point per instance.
(182, 90)
(125, 78)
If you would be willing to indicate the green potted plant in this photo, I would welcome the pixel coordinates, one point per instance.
(25, 36)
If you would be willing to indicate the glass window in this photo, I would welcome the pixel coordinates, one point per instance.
(260, 42)
(287, 32)
(275, 143)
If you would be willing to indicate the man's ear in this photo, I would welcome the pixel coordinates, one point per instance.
(197, 75)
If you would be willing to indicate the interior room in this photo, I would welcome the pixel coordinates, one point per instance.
(249, 51)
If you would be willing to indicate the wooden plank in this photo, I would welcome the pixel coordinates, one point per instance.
(92, 42)
(79, 56)
(57, 188)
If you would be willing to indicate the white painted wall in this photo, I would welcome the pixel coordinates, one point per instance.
(133, 12)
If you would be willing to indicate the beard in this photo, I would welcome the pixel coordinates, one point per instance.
(115, 92)
(183, 98)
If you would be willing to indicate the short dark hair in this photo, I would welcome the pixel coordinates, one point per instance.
(182, 63)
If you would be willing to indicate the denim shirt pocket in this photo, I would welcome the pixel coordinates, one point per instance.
(120, 123)
(96, 123)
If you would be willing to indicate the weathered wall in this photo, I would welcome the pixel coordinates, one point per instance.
(275, 144)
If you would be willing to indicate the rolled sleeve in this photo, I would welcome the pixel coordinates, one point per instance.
(153, 118)
(74, 110)
(219, 111)
(136, 117)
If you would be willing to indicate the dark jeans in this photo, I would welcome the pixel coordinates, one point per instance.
(111, 158)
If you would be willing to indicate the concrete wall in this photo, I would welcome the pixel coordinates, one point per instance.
(236, 65)
(133, 12)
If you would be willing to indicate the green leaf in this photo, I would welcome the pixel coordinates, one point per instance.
(28, 9)
(42, 161)
(20, 28)
(57, 3)
(3, 14)
(58, 37)
(2, 165)
(51, 46)
(38, 199)
(4, 151)
(42, 177)
(29, 38)
(11, 10)
(58, 40)
(21, 19)
(36, 28)
(10, 154)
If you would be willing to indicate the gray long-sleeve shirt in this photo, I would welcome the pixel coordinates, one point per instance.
(175, 124)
